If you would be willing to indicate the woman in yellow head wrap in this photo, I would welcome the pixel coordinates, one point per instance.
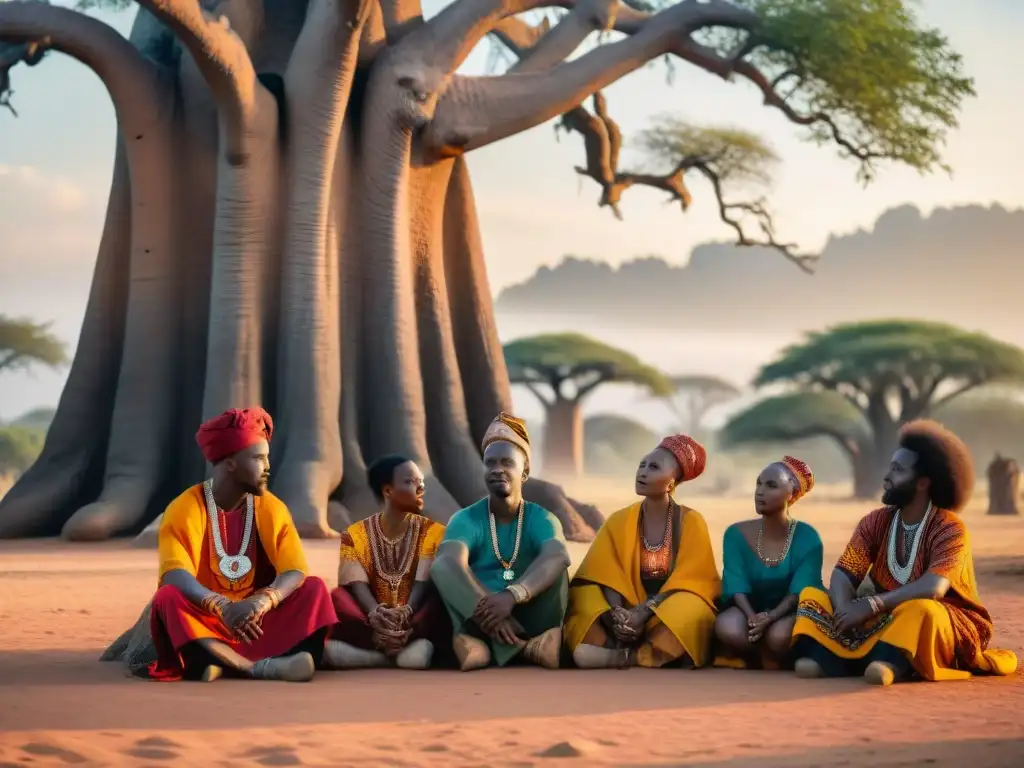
(766, 562)
(645, 593)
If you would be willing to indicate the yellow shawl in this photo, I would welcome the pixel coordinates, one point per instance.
(183, 533)
(613, 561)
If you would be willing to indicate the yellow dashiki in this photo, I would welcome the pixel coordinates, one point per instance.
(945, 639)
(389, 567)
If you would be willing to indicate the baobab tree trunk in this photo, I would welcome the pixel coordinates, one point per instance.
(563, 439)
(291, 222)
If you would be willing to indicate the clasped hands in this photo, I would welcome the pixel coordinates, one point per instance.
(244, 617)
(757, 625)
(854, 614)
(493, 614)
(391, 627)
(627, 624)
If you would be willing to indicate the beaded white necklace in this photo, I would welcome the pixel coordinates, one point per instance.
(902, 572)
(237, 566)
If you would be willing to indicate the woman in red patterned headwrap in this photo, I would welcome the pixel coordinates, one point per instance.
(645, 593)
(234, 596)
(766, 562)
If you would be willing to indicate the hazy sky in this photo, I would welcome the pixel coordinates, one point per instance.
(55, 163)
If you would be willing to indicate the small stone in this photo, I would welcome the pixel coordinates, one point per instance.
(571, 748)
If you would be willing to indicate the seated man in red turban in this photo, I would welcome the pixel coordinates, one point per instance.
(234, 596)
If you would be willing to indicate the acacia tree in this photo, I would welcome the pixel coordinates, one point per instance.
(694, 395)
(24, 343)
(291, 220)
(857, 383)
(562, 370)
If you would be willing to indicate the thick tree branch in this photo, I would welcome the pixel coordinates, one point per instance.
(586, 17)
(224, 62)
(400, 18)
(519, 36)
(132, 80)
(441, 45)
(476, 111)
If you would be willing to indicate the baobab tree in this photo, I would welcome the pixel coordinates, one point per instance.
(291, 220)
(562, 370)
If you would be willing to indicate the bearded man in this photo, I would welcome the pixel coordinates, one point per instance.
(920, 615)
(502, 568)
(234, 596)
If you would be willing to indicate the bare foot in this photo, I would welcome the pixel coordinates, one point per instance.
(417, 655)
(595, 657)
(544, 649)
(471, 652)
(879, 673)
(808, 669)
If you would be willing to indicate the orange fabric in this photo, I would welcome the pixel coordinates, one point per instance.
(945, 551)
(356, 549)
(184, 542)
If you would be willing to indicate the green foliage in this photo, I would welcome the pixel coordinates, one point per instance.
(554, 359)
(914, 354)
(735, 155)
(796, 416)
(891, 87)
(19, 447)
(24, 343)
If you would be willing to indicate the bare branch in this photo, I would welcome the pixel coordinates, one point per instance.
(28, 53)
(223, 60)
(476, 111)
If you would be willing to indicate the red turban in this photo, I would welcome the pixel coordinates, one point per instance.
(233, 431)
(689, 454)
(801, 474)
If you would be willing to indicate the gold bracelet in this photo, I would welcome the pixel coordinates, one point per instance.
(212, 604)
(876, 604)
(519, 593)
(274, 594)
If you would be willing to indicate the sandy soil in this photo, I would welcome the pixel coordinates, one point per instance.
(61, 604)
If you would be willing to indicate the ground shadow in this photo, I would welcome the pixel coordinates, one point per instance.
(76, 691)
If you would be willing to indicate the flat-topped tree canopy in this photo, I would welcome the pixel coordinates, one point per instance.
(562, 370)
(859, 382)
(560, 359)
(292, 222)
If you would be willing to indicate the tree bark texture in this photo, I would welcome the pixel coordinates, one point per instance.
(291, 223)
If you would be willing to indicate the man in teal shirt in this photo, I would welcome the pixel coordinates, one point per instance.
(502, 569)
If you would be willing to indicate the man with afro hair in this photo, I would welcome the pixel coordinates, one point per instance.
(920, 614)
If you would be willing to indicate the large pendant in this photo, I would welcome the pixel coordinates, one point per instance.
(235, 567)
(508, 574)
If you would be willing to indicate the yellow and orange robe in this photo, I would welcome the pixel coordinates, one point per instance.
(274, 547)
(360, 545)
(944, 639)
(683, 622)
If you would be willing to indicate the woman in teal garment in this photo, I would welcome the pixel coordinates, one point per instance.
(766, 562)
